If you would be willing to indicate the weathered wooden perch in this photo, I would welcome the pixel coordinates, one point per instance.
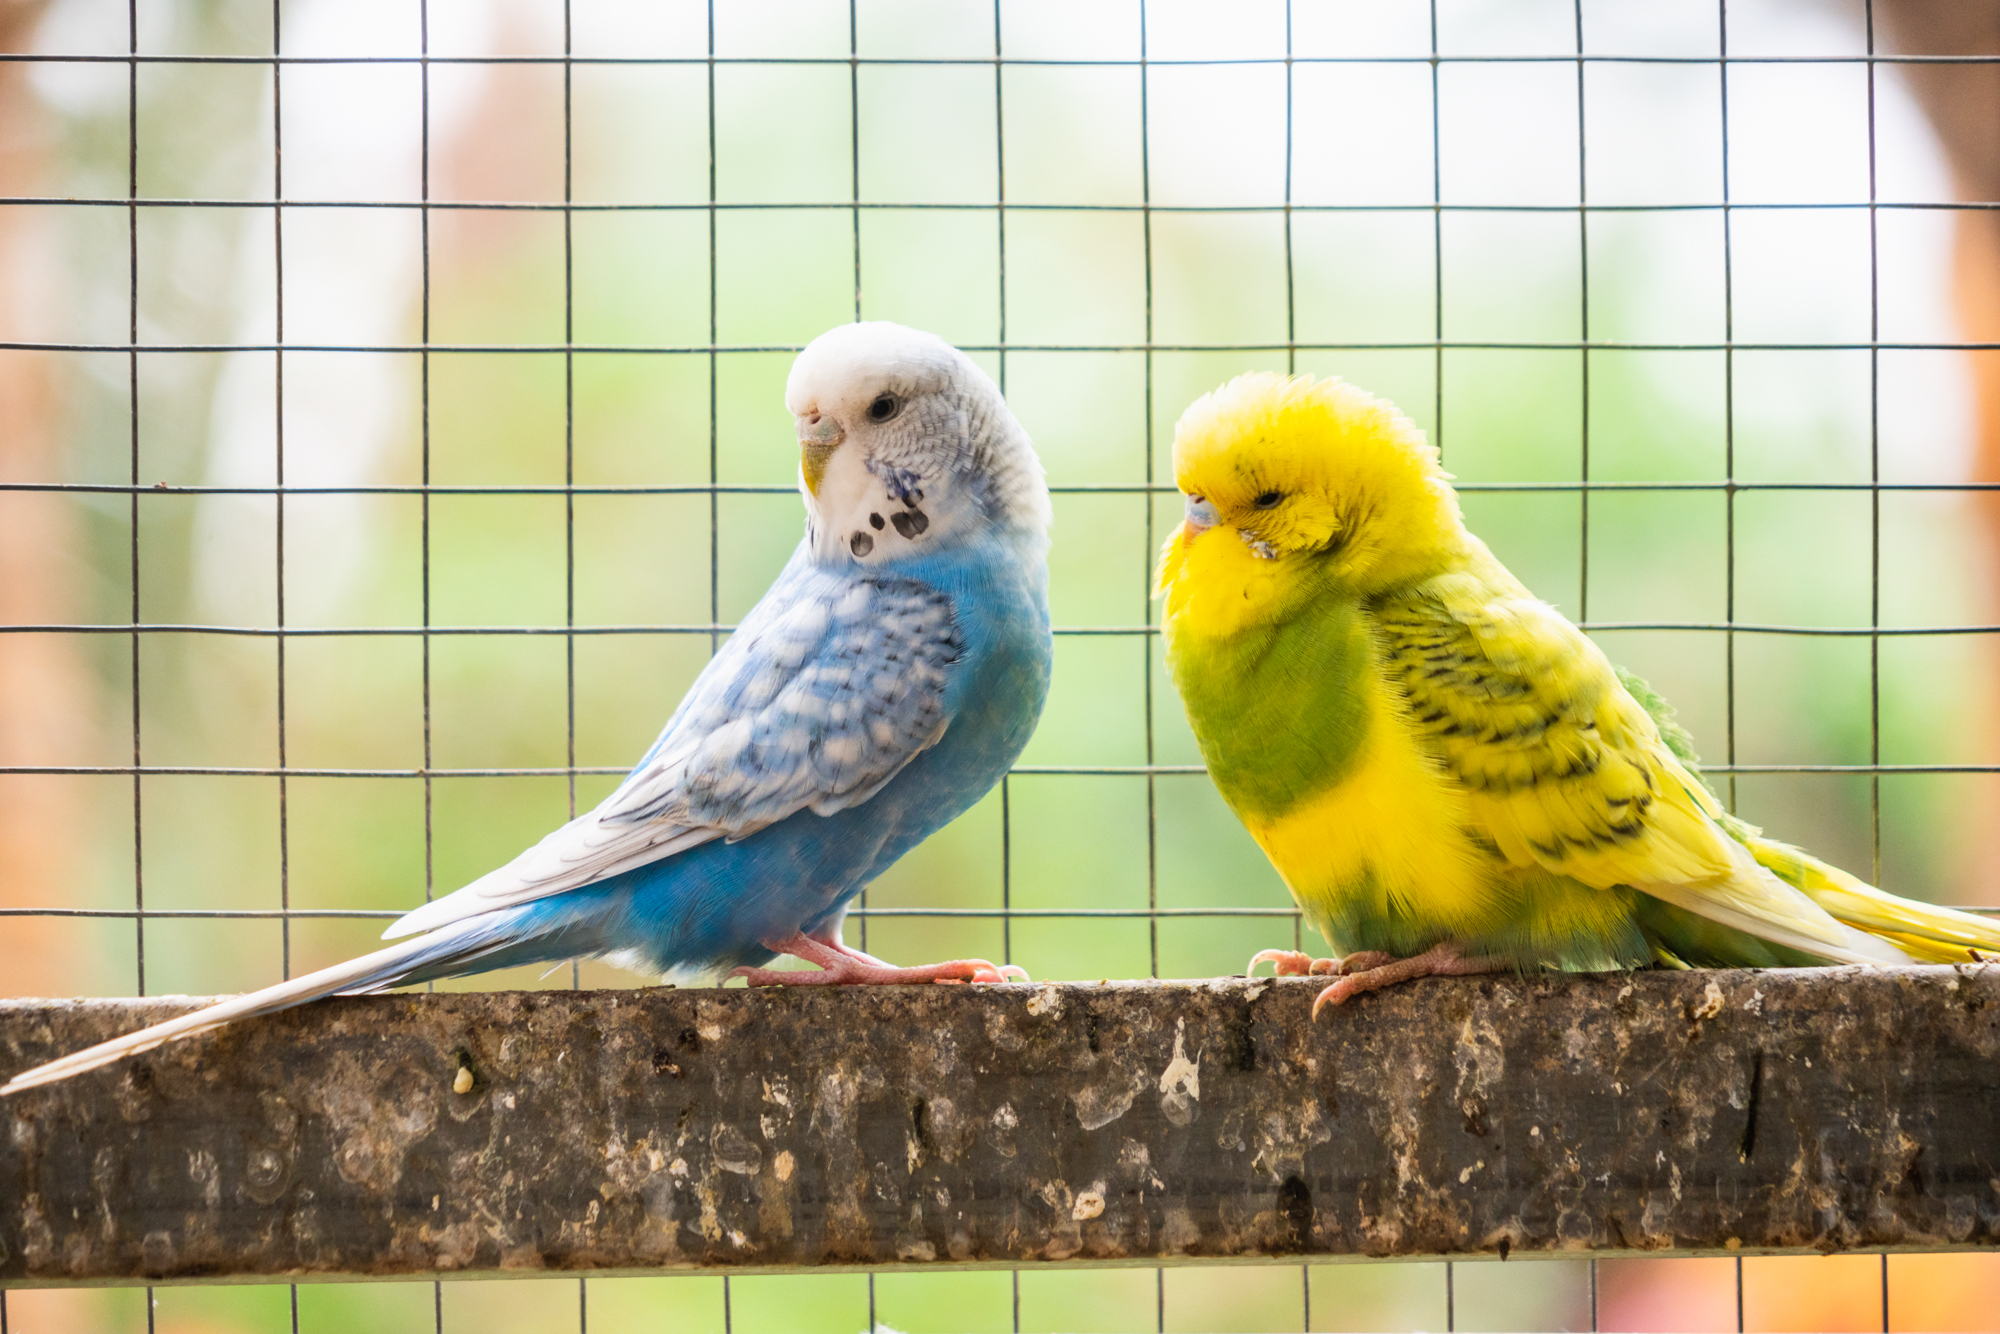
(1146, 1122)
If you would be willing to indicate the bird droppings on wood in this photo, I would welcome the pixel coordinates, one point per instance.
(1819, 1110)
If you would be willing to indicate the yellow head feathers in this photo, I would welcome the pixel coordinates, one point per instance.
(1287, 467)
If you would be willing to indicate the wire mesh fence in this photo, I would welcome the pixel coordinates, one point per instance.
(422, 435)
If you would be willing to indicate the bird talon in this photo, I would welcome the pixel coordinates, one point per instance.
(1371, 970)
(1284, 963)
(839, 965)
(995, 973)
(1333, 995)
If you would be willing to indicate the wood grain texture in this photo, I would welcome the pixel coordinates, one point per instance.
(1149, 1123)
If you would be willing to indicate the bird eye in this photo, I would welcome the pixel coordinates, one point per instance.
(1269, 499)
(883, 408)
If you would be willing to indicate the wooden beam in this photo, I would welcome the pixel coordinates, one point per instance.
(530, 1132)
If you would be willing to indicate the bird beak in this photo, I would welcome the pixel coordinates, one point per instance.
(818, 438)
(1201, 517)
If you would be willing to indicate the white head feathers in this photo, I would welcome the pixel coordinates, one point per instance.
(905, 443)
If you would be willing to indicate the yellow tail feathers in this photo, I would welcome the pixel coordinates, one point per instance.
(1925, 931)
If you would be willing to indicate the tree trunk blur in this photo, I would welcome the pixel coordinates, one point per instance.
(1963, 104)
(44, 681)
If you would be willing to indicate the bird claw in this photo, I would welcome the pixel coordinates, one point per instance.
(842, 966)
(1360, 961)
(1284, 963)
(982, 971)
(1293, 963)
(1370, 970)
(1006, 972)
(1333, 995)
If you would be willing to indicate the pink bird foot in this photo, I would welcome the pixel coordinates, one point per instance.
(843, 966)
(1291, 963)
(1372, 970)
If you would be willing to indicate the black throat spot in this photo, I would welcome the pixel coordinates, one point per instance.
(910, 523)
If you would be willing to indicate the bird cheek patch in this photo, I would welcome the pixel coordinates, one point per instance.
(904, 486)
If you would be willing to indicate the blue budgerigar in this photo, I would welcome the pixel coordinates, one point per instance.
(884, 683)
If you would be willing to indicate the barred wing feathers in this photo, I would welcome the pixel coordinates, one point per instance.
(1563, 769)
(828, 689)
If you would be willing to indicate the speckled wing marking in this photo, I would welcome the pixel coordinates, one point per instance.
(824, 705)
(1562, 768)
(829, 687)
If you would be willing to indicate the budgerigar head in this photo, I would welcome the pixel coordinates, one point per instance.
(905, 445)
(1281, 469)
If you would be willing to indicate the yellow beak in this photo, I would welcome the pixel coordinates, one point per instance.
(818, 438)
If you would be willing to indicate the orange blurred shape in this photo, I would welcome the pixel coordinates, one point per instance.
(71, 1311)
(1813, 1292)
(1784, 1293)
(1959, 1291)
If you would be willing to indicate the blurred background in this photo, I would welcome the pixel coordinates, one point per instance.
(588, 476)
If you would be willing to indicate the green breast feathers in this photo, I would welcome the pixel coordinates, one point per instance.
(1279, 709)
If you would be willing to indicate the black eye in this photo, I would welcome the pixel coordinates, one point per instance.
(884, 408)
(1269, 499)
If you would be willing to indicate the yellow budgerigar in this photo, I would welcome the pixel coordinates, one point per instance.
(1451, 777)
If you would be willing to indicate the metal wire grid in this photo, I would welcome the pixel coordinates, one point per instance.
(714, 488)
